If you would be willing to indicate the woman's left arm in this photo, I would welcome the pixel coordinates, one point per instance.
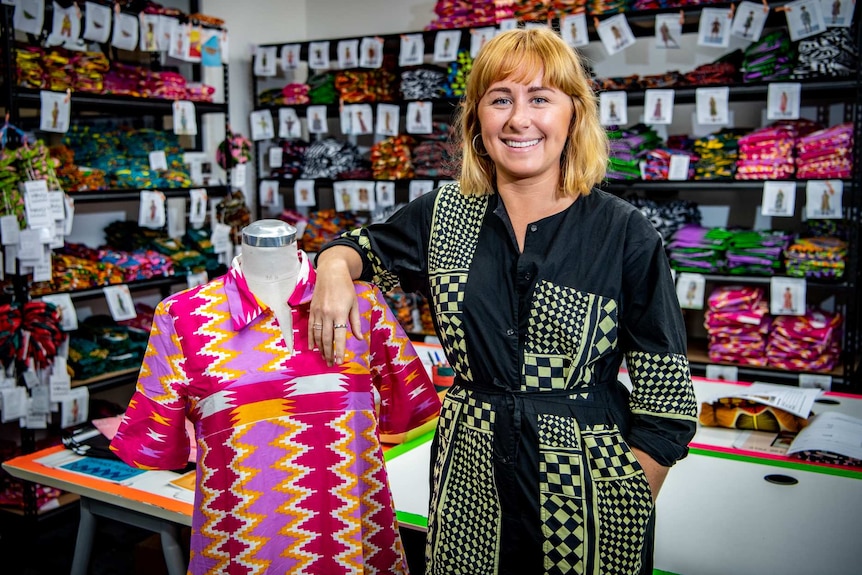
(662, 402)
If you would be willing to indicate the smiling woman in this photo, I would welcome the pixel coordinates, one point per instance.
(540, 286)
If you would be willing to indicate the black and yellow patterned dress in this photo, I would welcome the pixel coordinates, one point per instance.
(532, 472)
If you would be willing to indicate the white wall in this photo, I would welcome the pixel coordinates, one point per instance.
(340, 18)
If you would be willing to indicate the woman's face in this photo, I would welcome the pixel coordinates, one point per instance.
(525, 126)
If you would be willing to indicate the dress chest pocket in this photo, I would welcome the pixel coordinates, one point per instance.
(568, 331)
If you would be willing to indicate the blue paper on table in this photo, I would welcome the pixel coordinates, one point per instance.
(109, 469)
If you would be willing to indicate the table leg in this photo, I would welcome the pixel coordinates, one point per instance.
(175, 557)
(84, 541)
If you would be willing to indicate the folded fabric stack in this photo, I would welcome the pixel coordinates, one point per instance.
(756, 252)
(816, 257)
(769, 59)
(456, 76)
(826, 153)
(667, 217)
(321, 88)
(390, 158)
(809, 342)
(717, 154)
(604, 7)
(71, 272)
(831, 53)
(426, 83)
(737, 322)
(376, 85)
(767, 154)
(658, 163)
(329, 158)
(697, 249)
(464, 14)
(627, 148)
(292, 157)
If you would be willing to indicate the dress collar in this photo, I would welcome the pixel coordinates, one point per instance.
(245, 308)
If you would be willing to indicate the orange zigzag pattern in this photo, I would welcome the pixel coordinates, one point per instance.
(351, 557)
(221, 357)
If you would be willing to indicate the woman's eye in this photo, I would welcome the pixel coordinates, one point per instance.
(500, 101)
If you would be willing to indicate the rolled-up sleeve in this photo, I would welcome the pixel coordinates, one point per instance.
(662, 401)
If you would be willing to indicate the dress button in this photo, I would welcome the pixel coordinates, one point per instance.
(534, 227)
(527, 276)
(510, 332)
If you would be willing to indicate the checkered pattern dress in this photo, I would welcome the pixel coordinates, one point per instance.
(290, 474)
(533, 472)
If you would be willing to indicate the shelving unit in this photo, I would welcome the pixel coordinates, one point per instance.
(824, 94)
(15, 100)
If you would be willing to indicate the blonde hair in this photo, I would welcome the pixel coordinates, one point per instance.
(517, 55)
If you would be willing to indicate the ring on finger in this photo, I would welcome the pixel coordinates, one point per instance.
(339, 326)
(317, 327)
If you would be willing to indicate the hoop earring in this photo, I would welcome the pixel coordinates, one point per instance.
(476, 150)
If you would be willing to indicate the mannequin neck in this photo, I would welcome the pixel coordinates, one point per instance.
(268, 265)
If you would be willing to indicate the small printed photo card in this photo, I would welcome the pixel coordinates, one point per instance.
(66, 27)
(690, 290)
(265, 61)
(158, 160)
(678, 167)
(275, 157)
(783, 101)
(152, 210)
(120, 302)
(712, 106)
(211, 49)
(185, 120)
(419, 188)
(66, 309)
(388, 119)
(167, 32)
(361, 119)
(779, 199)
(385, 193)
(749, 21)
(97, 22)
(371, 52)
(837, 13)
(419, 117)
(288, 123)
(714, 28)
(75, 407)
(787, 296)
(668, 31)
(290, 56)
(317, 123)
(261, 125)
(365, 195)
(613, 108)
(348, 54)
(318, 55)
(56, 108)
(824, 199)
(268, 193)
(658, 106)
(615, 33)
(176, 217)
(125, 34)
(197, 207)
(804, 19)
(149, 36)
(573, 28)
(29, 16)
(345, 196)
(412, 50)
(303, 192)
(479, 37)
(446, 43)
(507, 24)
(179, 44)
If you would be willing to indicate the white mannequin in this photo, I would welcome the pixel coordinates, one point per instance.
(270, 264)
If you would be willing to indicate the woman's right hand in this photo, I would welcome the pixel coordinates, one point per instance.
(334, 308)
